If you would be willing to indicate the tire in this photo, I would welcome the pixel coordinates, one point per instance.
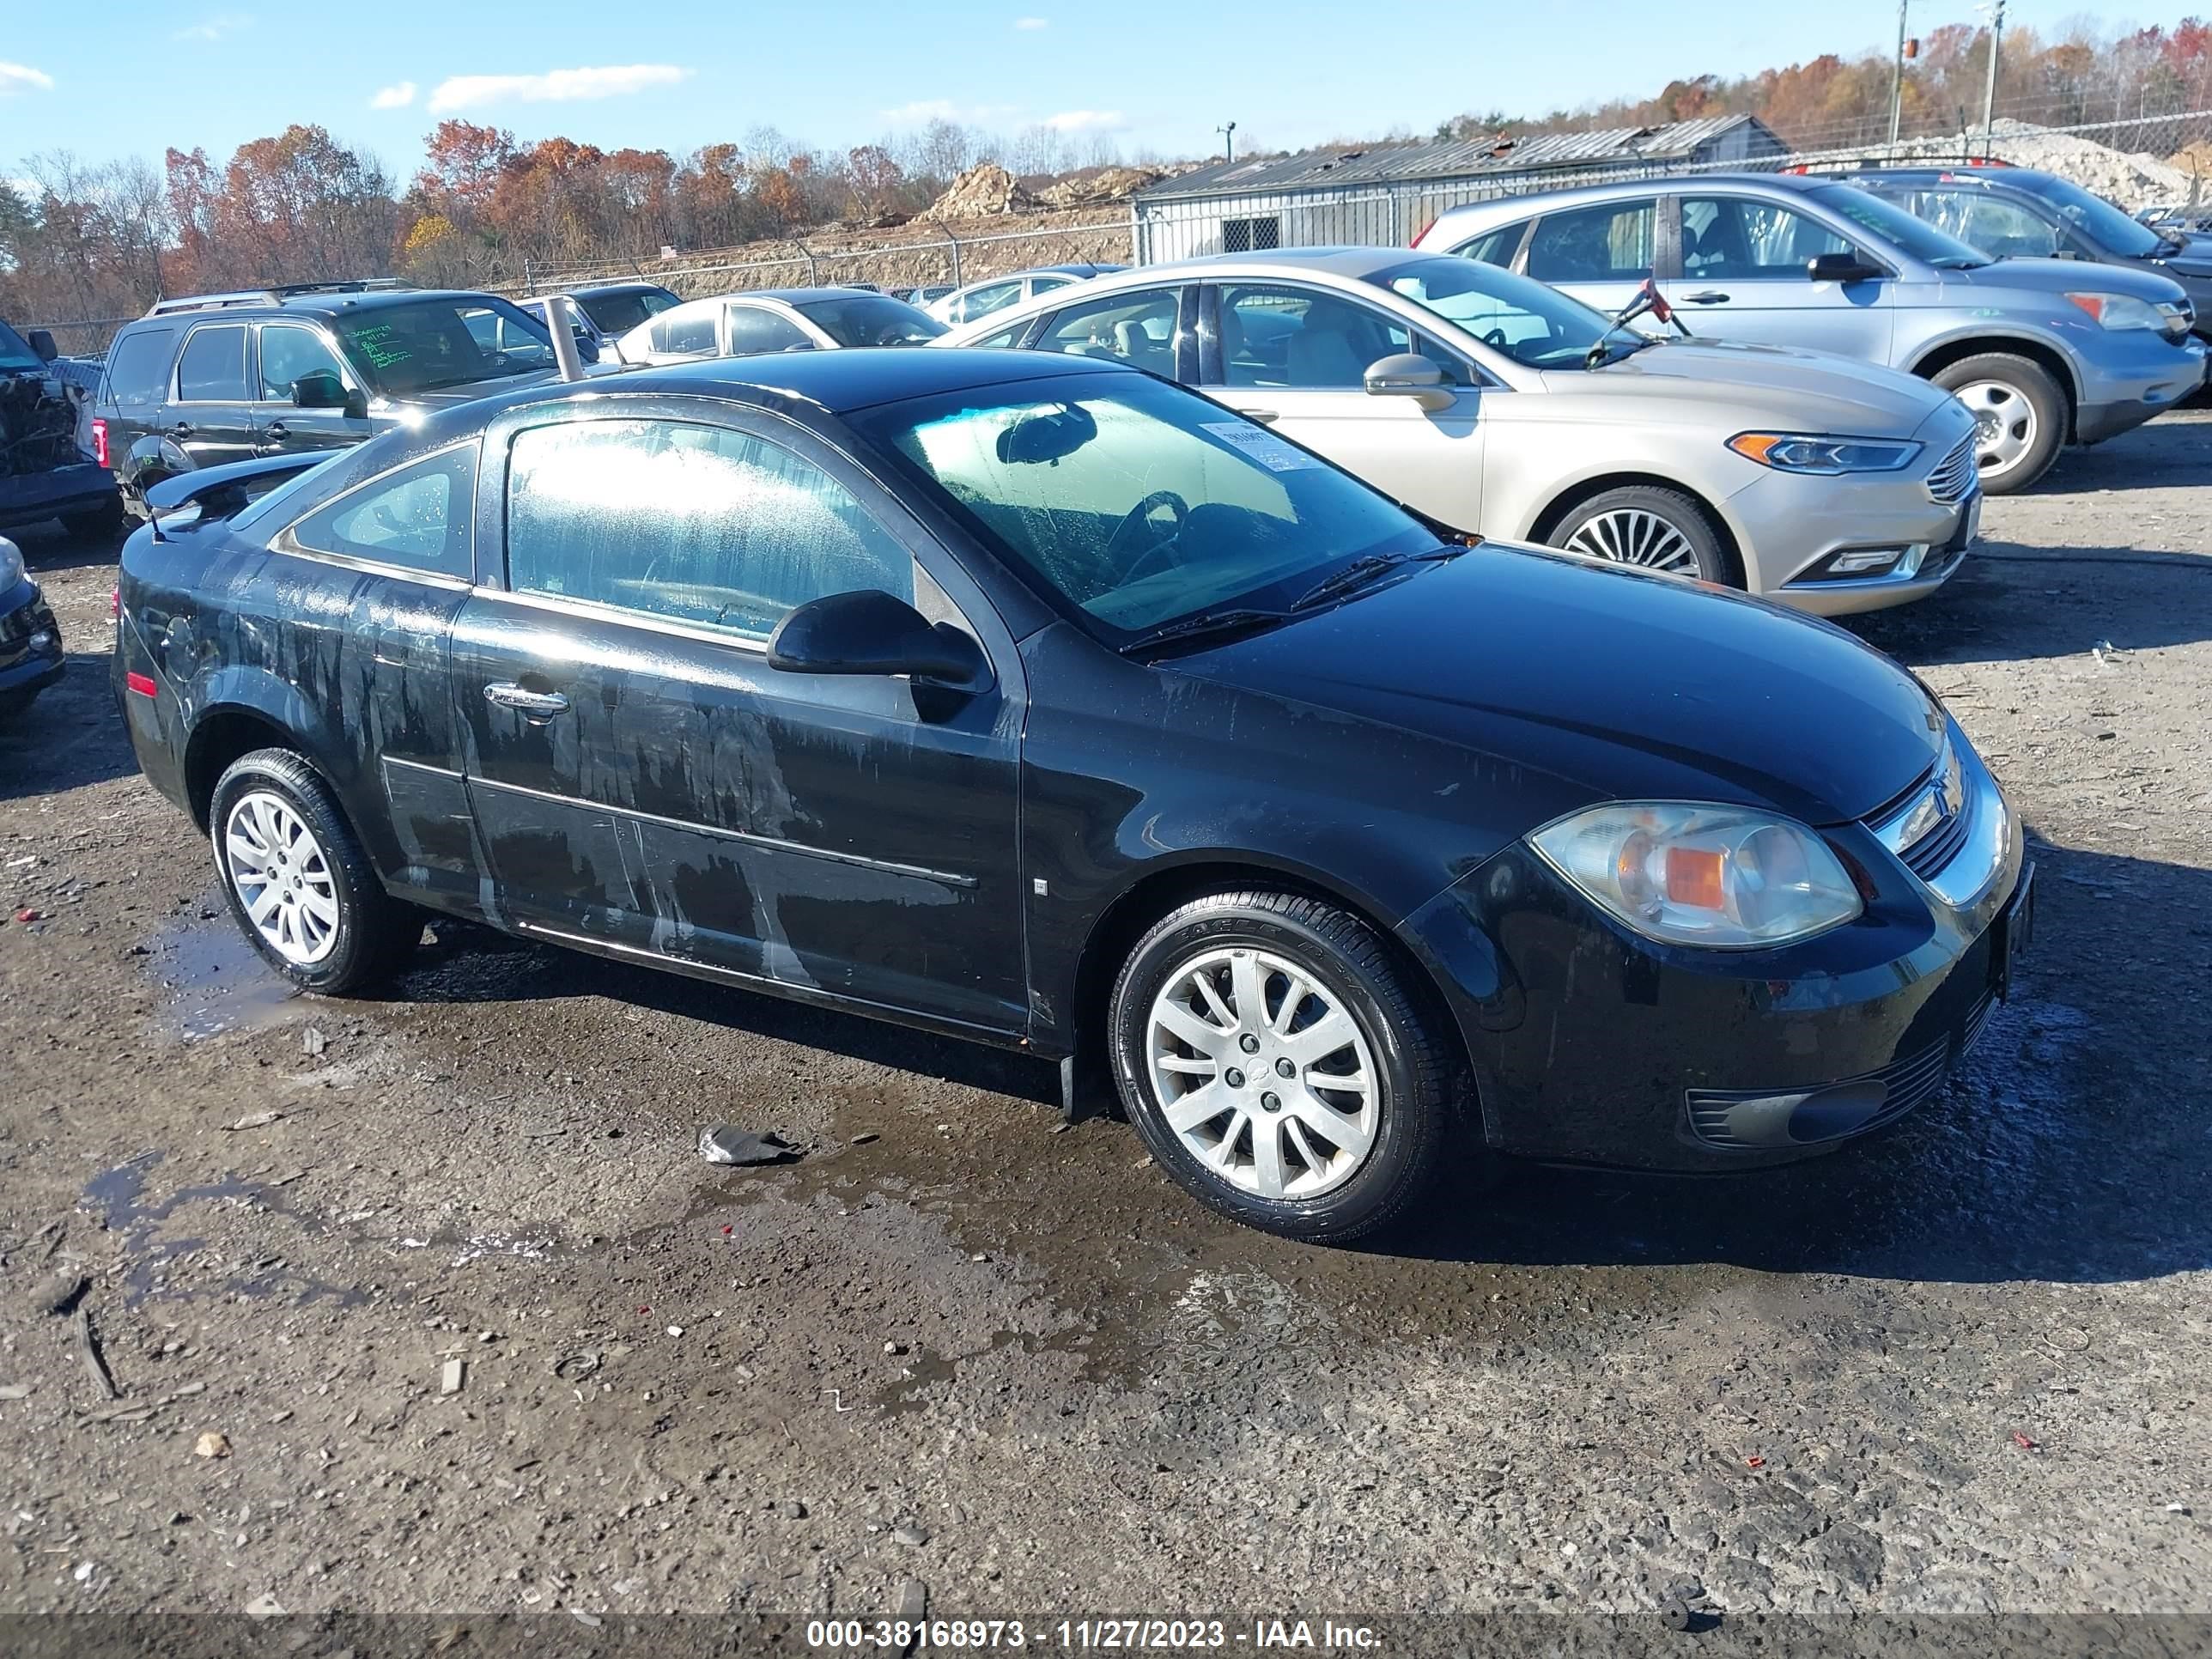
(1650, 528)
(1328, 1187)
(2020, 411)
(357, 933)
(96, 523)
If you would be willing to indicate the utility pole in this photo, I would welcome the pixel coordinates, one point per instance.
(1897, 81)
(1228, 142)
(1990, 89)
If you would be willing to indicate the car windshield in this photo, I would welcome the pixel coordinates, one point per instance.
(618, 313)
(2097, 218)
(429, 344)
(872, 319)
(1894, 225)
(1533, 325)
(15, 353)
(1137, 502)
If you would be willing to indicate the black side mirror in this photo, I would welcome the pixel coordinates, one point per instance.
(42, 342)
(1841, 268)
(872, 632)
(319, 389)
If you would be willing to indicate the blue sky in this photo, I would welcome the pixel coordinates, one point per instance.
(1154, 74)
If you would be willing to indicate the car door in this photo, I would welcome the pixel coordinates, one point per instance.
(210, 411)
(1295, 358)
(284, 353)
(1602, 253)
(646, 783)
(1740, 275)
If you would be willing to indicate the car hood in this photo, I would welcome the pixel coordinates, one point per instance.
(2070, 276)
(1743, 385)
(1625, 685)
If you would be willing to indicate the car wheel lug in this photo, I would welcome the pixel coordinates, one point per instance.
(1248, 1043)
(1272, 1102)
(1283, 1068)
(1233, 1077)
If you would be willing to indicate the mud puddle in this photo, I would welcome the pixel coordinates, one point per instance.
(217, 982)
(118, 1195)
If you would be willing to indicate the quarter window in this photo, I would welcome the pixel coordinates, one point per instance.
(1496, 247)
(698, 524)
(287, 354)
(1609, 243)
(1138, 329)
(138, 368)
(756, 329)
(417, 517)
(1288, 336)
(213, 369)
(1730, 239)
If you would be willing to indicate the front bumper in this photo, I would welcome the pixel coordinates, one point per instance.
(1591, 1044)
(34, 497)
(1790, 526)
(2147, 375)
(30, 641)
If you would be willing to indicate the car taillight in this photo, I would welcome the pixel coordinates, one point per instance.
(100, 440)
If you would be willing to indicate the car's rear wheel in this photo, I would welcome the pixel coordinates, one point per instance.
(2019, 416)
(1277, 1064)
(297, 877)
(93, 522)
(1649, 527)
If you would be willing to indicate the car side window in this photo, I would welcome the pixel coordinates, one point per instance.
(213, 369)
(1611, 242)
(1299, 338)
(697, 523)
(138, 368)
(287, 352)
(2002, 229)
(1495, 247)
(995, 296)
(756, 329)
(1003, 339)
(691, 334)
(418, 517)
(1733, 238)
(1138, 329)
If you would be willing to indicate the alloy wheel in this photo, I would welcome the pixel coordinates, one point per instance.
(2004, 425)
(1262, 1071)
(282, 876)
(1629, 535)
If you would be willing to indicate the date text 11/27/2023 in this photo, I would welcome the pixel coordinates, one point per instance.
(899, 1635)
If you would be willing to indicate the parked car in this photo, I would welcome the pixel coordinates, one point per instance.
(777, 320)
(590, 347)
(965, 304)
(604, 311)
(2016, 213)
(44, 473)
(1500, 406)
(2042, 350)
(2176, 216)
(923, 296)
(1038, 701)
(30, 640)
(215, 378)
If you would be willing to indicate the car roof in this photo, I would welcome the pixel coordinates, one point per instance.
(1505, 209)
(318, 305)
(594, 290)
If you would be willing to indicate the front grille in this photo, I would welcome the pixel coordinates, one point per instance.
(1927, 857)
(1954, 476)
(1906, 1084)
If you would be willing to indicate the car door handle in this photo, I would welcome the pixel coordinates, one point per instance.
(539, 705)
(1265, 416)
(1708, 297)
(278, 430)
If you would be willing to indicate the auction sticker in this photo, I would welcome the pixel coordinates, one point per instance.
(1262, 447)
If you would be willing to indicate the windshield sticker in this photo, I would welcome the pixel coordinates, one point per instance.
(376, 344)
(1264, 448)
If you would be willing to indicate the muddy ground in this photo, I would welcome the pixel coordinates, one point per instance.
(957, 1352)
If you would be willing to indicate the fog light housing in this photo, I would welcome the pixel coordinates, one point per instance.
(1860, 563)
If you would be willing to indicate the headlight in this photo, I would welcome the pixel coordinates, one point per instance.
(1690, 874)
(2120, 310)
(11, 564)
(1797, 452)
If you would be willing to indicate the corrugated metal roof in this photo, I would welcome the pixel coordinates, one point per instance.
(1318, 169)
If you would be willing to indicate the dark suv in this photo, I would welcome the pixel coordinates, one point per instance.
(218, 378)
(2017, 213)
(44, 474)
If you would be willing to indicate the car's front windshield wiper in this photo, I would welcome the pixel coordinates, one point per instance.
(1362, 570)
(1238, 620)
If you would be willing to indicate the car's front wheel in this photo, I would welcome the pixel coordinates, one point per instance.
(1278, 1066)
(1649, 527)
(297, 877)
(2019, 416)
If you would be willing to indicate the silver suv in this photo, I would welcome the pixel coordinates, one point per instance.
(2041, 350)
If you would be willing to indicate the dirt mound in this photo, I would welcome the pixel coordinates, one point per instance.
(1096, 188)
(984, 189)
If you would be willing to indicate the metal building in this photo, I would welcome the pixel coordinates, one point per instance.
(1387, 194)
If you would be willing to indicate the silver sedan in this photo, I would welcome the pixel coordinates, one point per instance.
(1499, 405)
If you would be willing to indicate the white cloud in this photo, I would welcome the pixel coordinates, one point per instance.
(1033, 22)
(1087, 120)
(215, 27)
(396, 97)
(923, 111)
(554, 87)
(21, 77)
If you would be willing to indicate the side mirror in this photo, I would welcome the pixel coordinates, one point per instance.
(1841, 268)
(1409, 374)
(319, 389)
(42, 342)
(870, 632)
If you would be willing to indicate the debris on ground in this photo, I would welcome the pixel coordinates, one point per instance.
(453, 1376)
(213, 1444)
(312, 1042)
(985, 188)
(59, 1293)
(15, 1391)
(913, 1601)
(87, 1347)
(909, 1535)
(254, 1121)
(730, 1144)
(2025, 1442)
(2105, 651)
(264, 1606)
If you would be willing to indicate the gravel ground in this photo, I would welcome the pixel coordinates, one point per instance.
(957, 1357)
